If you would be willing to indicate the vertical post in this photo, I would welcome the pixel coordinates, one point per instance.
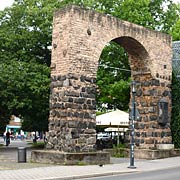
(118, 137)
(132, 119)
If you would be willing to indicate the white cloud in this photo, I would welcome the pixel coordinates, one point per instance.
(176, 1)
(8, 3)
(5, 3)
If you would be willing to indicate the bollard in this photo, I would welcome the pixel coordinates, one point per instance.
(21, 154)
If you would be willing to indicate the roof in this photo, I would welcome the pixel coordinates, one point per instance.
(13, 126)
(113, 129)
(15, 122)
(115, 118)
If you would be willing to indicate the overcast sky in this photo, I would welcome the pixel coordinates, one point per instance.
(5, 3)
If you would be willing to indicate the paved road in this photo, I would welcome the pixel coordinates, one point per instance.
(165, 174)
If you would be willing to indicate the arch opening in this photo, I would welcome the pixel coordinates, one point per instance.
(113, 72)
(125, 59)
(138, 56)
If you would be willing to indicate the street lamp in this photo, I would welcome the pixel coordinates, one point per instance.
(132, 119)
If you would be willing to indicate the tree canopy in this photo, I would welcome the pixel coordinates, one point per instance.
(25, 40)
(175, 119)
(113, 78)
(24, 90)
(175, 31)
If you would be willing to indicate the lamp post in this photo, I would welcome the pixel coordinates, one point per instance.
(132, 119)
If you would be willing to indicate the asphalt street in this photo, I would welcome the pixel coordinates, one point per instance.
(165, 174)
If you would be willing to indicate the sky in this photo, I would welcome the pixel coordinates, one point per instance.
(6, 3)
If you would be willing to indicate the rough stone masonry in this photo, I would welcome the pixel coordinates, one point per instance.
(78, 39)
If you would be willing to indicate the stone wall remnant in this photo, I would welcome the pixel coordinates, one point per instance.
(78, 38)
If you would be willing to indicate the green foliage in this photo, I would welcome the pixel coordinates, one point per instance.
(38, 145)
(148, 13)
(25, 31)
(99, 113)
(138, 12)
(113, 77)
(120, 146)
(81, 163)
(119, 152)
(25, 55)
(175, 119)
(176, 31)
(24, 90)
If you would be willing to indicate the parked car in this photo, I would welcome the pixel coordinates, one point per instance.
(103, 136)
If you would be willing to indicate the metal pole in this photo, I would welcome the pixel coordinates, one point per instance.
(118, 138)
(133, 115)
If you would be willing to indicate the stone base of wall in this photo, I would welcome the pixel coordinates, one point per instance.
(154, 154)
(146, 153)
(165, 146)
(63, 158)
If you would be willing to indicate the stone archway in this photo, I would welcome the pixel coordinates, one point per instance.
(79, 36)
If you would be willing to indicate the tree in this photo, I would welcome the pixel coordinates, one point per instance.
(175, 31)
(25, 36)
(154, 14)
(175, 119)
(24, 91)
(26, 31)
(113, 78)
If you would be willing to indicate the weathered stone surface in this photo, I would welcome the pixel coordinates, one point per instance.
(74, 62)
(154, 154)
(63, 158)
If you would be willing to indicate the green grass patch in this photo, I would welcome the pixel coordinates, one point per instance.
(119, 151)
(38, 145)
(119, 146)
(81, 163)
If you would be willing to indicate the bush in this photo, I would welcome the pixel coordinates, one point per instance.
(38, 145)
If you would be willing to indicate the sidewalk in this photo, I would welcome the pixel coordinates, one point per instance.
(35, 171)
(78, 172)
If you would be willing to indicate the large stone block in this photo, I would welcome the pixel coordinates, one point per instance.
(63, 158)
(165, 146)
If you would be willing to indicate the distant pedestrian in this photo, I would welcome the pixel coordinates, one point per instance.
(7, 138)
(4, 136)
(45, 138)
